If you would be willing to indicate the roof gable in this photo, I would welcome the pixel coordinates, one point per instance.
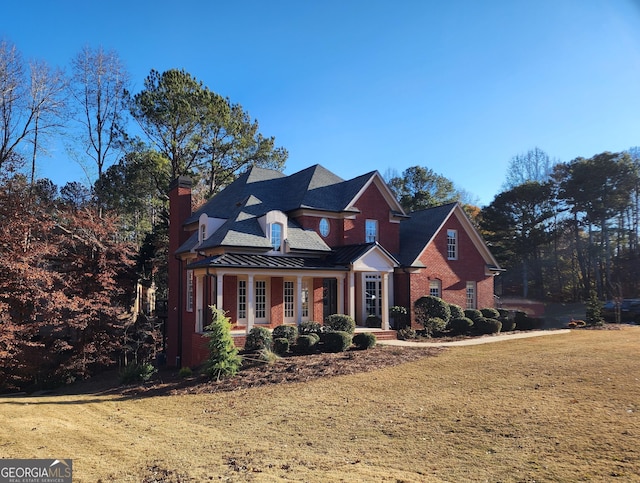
(417, 233)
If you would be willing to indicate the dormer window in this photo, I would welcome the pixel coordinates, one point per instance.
(203, 232)
(276, 236)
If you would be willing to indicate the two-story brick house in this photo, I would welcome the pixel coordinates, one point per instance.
(272, 249)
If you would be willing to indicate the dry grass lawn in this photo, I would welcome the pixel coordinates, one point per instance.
(557, 408)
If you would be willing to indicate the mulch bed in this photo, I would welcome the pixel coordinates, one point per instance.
(290, 369)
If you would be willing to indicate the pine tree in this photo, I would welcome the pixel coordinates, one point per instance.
(224, 360)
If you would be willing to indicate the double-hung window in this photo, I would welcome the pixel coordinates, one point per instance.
(452, 244)
(434, 288)
(371, 231)
(471, 295)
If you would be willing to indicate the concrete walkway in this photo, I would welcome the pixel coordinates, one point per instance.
(475, 340)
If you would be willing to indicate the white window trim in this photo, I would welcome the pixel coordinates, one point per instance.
(435, 285)
(452, 244)
(471, 295)
(374, 223)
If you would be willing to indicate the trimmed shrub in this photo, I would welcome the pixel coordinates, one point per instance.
(289, 332)
(434, 326)
(223, 360)
(373, 322)
(258, 338)
(473, 314)
(306, 344)
(487, 326)
(508, 324)
(504, 312)
(406, 333)
(340, 323)
(490, 313)
(461, 325)
(281, 345)
(398, 314)
(364, 340)
(309, 327)
(429, 307)
(457, 312)
(338, 341)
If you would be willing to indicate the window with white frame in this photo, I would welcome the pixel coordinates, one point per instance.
(203, 232)
(288, 296)
(471, 295)
(189, 291)
(435, 288)
(371, 231)
(276, 236)
(304, 299)
(452, 244)
(242, 299)
(261, 300)
(373, 295)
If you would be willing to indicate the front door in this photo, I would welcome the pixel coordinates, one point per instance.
(329, 297)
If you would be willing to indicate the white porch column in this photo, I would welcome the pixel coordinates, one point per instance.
(251, 305)
(385, 301)
(199, 302)
(352, 295)
(299, 299)
(219, 290)
(341, 295)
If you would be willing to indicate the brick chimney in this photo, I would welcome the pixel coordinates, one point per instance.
(179, 211)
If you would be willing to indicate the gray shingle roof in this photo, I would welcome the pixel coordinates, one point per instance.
(259, 191)
(419, 229)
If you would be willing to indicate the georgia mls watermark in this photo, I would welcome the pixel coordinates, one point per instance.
(35, 471)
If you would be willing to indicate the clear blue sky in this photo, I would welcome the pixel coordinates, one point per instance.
(457, 86)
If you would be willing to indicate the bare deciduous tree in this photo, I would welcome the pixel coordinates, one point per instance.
(98, 83)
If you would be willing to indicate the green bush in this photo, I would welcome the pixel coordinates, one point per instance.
(309, 327)
(490, 313)
(430, 307)
(399, 316)
(473, 314)
(487, 326)
(306, 344)
(281, 345)
(137, 373)
(504, 313)
(406, 333)
(434, 326)
(461, 325)
(508, 324)
(289, 332)
(340, 323)
(373, 322)
(457, 312)
(364, 340)
(185, 372)
(338, 341)
(223, 360)
(258, 338)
